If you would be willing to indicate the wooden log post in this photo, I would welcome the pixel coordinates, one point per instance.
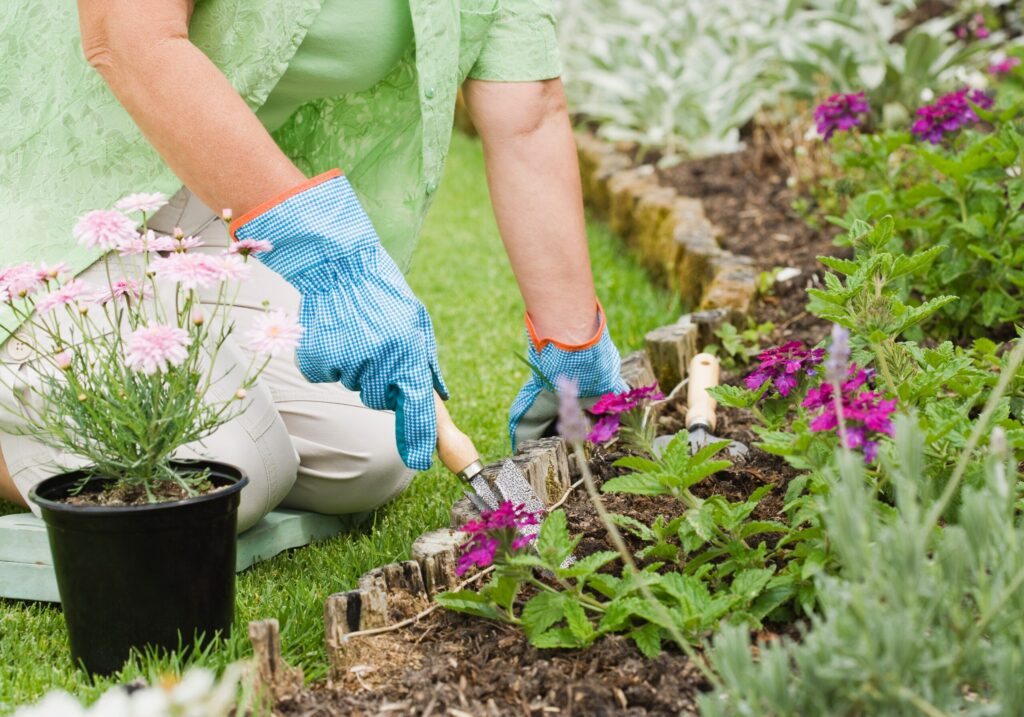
(436, 554)
(275, 679)
(637, 370)
(670, 349)
(544, 463)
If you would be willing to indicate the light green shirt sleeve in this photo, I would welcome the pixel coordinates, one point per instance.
(521, 44)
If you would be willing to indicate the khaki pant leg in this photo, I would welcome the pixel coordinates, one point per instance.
(348, 459)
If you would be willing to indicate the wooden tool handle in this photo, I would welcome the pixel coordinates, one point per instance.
(454, 447)
(700, 406)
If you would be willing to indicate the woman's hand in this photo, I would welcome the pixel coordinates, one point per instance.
(182, 102)
(363, 325)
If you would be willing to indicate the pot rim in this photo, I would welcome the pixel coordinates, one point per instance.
(227, 471)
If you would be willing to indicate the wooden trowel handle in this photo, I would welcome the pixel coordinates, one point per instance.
(454, 447)
(700, 406)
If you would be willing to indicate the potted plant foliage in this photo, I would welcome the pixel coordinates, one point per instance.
(143, 544)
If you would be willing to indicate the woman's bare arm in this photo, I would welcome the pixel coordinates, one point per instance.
(182, 102)
(534, 178)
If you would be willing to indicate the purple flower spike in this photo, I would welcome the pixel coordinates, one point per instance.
(948, 114)
(572, 424)
(840, 113)
(838, 355)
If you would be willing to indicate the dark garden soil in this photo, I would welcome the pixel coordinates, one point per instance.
(747, 198)
(453, 664)
(129, 495)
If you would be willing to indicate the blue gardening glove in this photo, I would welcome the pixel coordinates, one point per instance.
(594, 366)
(363, 325)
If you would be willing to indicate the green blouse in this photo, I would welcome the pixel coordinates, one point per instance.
(67, 146)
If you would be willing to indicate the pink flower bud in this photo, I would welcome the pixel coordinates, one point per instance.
(240, 394)
(197, 317)
(63, 360)
(225, 214)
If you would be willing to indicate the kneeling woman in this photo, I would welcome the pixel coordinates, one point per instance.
(241, 101)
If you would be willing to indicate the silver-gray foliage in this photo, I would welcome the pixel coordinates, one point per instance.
(684, 76)
(921, 620)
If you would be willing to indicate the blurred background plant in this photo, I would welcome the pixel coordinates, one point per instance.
(684, 77)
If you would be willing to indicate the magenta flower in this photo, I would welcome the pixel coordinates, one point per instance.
(141, 202)
(840, 113)
(496, 535)
(245, 247)
(189, 270)
(611, 406)
(613, 403)
(866, 414)
(156, 348)
(69, 293)
(948, 114)
(274, 333)
(783, 366)
(1004, 66)
(605, 429)
(104, 229)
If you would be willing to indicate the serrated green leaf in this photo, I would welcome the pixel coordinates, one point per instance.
(648, 640)
(542, 611)
(553, 639)
(553, 543)
(588, 565)
(635, 483)
(748, 584)
(576, 619)
(469, 602)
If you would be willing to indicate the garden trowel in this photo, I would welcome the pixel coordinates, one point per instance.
(460, 456)
(703, 374)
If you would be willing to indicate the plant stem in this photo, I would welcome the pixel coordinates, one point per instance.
(627, 558)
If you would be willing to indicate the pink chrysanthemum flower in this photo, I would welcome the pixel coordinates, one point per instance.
(144, 202)
(274, 333)
(127, 289)
(47, 272)
(182, 243)
(498, 533)
(69, 293)
(19, 281)
(245, 247)
(233, 268)
(63, 360)
(104, 229)
(156, 348)
(190, 270)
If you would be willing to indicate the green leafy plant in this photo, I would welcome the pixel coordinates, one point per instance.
(963, 201)
(737, 347)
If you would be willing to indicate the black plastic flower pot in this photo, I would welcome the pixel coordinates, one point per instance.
(160, 575)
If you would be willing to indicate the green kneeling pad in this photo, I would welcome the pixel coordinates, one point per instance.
(26, 568)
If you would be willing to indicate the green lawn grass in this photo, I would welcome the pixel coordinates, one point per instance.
(463, 277)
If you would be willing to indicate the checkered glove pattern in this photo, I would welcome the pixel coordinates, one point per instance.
(594, 366)
(362, 324)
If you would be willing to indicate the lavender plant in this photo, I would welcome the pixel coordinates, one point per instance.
(123, 371)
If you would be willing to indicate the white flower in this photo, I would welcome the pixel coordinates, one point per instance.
(142, 202)
(55, 704)
(274, 333)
